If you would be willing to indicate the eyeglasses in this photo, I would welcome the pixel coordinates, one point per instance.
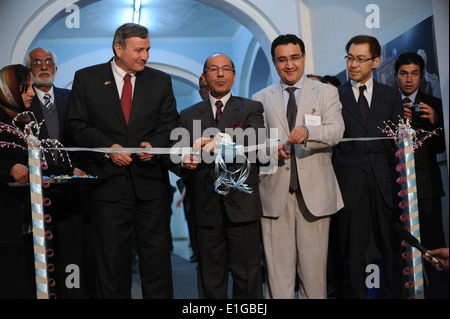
(215, 69)
(39, 63)
(294, 58)
(351, 59)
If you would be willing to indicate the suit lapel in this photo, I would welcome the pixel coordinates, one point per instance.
(350, 105)
(306, 97)
(61, 106)
(206, 115)
(278, 107)
(37, 111)
(110, 88)
(139, 89)
(377, 104)
(229, 114)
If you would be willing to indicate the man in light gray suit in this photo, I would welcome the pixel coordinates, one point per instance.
(297, 206)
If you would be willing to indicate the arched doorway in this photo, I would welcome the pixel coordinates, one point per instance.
(243, 12)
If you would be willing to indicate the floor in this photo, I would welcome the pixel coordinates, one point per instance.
(184, 274)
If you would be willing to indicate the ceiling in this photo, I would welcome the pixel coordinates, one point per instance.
(174, 19)
(164, 19)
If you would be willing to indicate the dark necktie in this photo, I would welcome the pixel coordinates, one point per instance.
(126, 98)
(48, 101)
(406, 100)
(219, 106)
(363, 104)
(291, 114)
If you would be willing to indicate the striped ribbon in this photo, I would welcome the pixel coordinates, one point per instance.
(37, 217)
(410, 217)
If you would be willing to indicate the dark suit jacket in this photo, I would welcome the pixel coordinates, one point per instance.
(61, 102)
(240, 206)
(95, 119)
(61, 97)
(352, 159)
(428, 174)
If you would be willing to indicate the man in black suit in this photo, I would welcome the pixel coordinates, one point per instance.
(366, 170)
(123, 103)
(49, 106)
(409, 69)
(227, 226)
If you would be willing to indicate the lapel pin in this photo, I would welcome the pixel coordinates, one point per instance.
(107, 82)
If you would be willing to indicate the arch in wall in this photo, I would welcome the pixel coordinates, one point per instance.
(242, 11)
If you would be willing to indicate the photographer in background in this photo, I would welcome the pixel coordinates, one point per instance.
(425, 112)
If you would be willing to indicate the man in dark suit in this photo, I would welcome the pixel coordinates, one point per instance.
(366, 170)
(409, 69)
(227, 226)
(49, 106)
(123, 103)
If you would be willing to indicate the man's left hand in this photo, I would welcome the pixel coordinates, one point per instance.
(145, 157)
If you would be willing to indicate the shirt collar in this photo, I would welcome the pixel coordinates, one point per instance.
(412, 97)
(40, 94)
(118, 71)
(368, 84)
(224, 99)
(298, 85)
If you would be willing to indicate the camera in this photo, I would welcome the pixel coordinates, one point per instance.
(415, 109)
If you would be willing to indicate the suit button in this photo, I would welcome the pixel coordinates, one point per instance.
(287, 168)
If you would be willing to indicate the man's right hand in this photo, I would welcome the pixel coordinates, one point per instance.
(121, 159)
(20, 173)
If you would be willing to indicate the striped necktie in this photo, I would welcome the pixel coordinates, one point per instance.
(48, 101)
(219, 106)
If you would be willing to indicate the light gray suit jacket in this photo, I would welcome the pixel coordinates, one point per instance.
(318, 182)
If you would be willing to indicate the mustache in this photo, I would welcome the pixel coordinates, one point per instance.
(43, 72)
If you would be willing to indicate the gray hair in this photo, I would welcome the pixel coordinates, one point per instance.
(128, 30)
(28, 56)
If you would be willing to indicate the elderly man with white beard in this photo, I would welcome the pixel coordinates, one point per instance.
(49, 107)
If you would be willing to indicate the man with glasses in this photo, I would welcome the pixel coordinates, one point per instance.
(227, 226)
(50, 104)
(299, 197)
(366, 170)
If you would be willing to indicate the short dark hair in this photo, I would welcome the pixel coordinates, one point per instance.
(319, 77)
(128, 30)
(333, 80)
(409, 58)
(285, 39)
(374, 45)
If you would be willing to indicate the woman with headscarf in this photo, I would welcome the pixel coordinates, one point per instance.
(17, 279)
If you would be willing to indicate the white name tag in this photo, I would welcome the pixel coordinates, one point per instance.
(313, 120)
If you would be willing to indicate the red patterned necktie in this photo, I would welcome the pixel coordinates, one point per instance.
(219, 106)
(126, 98)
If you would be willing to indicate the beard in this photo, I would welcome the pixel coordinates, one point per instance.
(44, 82)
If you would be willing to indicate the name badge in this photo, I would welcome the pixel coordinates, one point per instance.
(313, 120)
